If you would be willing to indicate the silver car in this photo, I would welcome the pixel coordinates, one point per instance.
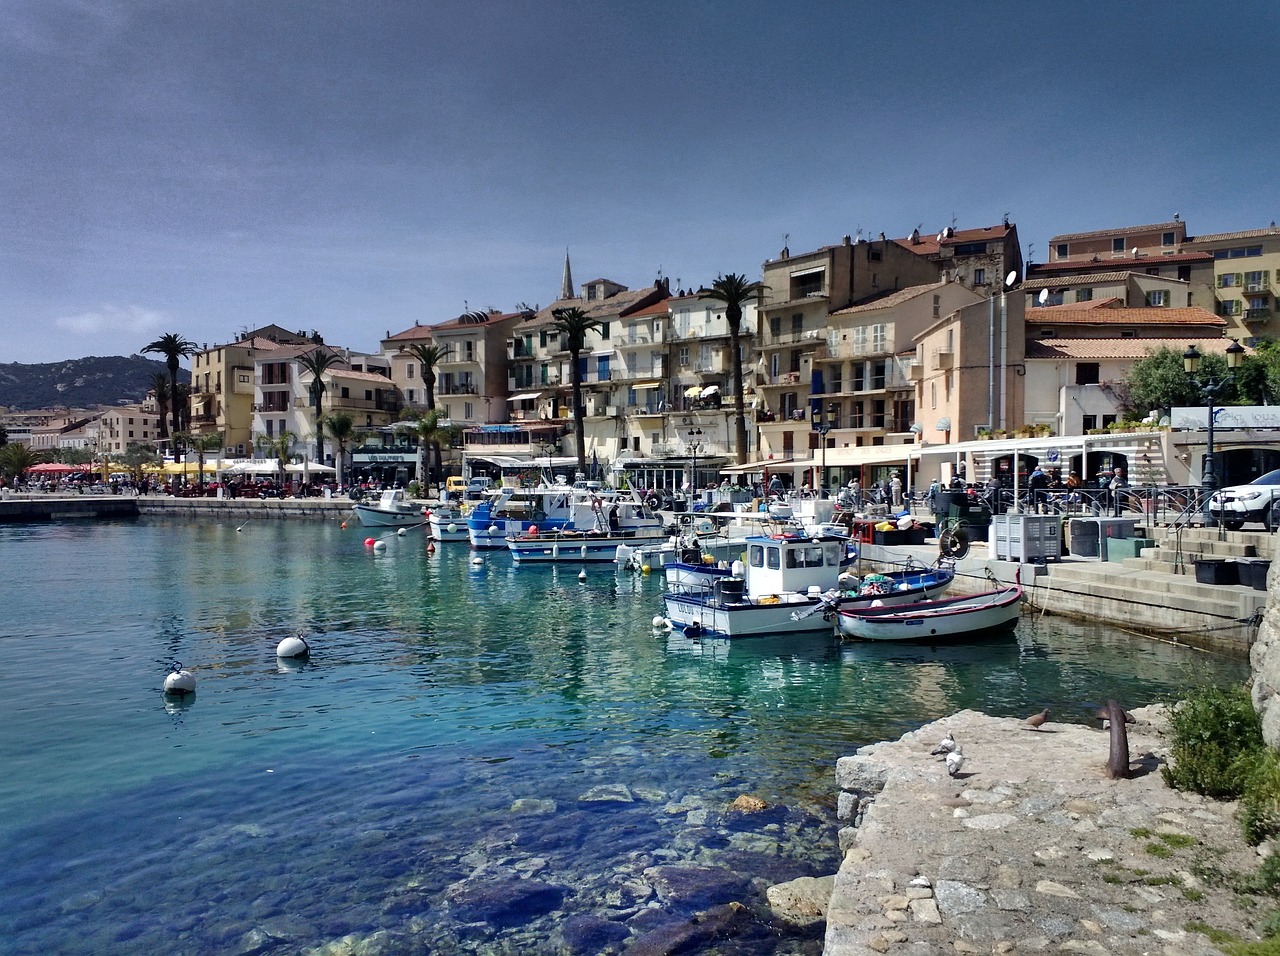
(1256, 501)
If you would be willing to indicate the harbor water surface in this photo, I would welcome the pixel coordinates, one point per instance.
(475, 758)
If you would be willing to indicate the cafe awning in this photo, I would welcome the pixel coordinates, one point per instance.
(710, 390)
(641, 386)
(524, 396)
(693, 391)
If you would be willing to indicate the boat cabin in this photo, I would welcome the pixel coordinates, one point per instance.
(789, 562)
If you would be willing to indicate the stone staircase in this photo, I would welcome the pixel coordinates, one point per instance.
(1156, 593)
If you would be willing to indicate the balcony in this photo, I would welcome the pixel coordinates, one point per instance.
(457, 388)
(786, 378)
(944, 359)
(1257, 315)
(1258, 288)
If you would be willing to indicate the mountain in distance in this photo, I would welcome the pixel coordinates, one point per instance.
(80, 383)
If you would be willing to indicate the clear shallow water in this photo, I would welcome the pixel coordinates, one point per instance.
(287, 806)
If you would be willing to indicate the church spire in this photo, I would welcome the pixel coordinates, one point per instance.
(566, 283)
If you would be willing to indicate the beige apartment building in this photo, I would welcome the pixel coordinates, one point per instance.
(1246, 268)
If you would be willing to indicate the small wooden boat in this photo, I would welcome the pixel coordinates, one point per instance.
(946, 619)
(393, 510)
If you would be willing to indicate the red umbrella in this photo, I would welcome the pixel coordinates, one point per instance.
(55, 468)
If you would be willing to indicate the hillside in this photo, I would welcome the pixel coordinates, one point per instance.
(79, 383)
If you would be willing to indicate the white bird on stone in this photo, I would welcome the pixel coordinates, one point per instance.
(945, 746)
(955, 761)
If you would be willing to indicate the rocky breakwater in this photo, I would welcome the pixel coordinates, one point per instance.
(1029, 848)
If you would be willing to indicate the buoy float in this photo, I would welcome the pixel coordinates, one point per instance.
(660, 623)
(400, 532)
(295, 646)
(582, 575)
(477, 560)
(343, 526)
(452, 527)
(645, 569)
(431, 546)
(368, 542)
(179, 681)
(380, 546)
(493, 529)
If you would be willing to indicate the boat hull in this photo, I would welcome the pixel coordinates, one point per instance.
(574, 548)
(372, 517)
(950, 619)
(706, 615)
(448, 527)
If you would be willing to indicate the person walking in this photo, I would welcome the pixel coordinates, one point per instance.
(1116, 486)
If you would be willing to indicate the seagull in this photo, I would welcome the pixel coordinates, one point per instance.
(1035, 720)
(945, 746)
(955, 760)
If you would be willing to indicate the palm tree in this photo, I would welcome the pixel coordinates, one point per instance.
(15, 459)
(431, 435)
(574, 324)
(734, 291)
(173, 347)
(278, 447)
(160, 385)
(342, 429)
(200, 444)
(315, 364)
(429, 356)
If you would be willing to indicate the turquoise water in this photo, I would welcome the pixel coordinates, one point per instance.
(438, 745)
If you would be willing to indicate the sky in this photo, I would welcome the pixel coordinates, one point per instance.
(203, 167)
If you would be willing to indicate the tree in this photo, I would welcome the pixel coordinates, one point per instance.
(1160, 381)
(431, 435)
(735, 291)
(15, 459)
(278, 447)
(160, 385)
(429, 356)
(341, 428)
(574, 324)
(200, 444)
(315, 364)
(135, 456)
(174, 348)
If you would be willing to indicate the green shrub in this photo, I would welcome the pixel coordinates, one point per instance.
(1217, 739)
(1260, 802)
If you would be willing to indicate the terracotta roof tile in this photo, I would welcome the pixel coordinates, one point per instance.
(1113, 348)
(892, 299)
(414, 333)
(359, 376)
(1092, 278)
(1122, 231)
(1272, 230)
(930, 245)
(1128, 264)
(657, 308)
(1093, 313)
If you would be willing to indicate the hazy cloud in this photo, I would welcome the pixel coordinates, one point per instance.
(128, 320)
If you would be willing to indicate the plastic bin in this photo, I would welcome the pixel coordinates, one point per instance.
(1216, 571)
(969, 509)
(1025, 537)
(1253, 572)
(1090, 536)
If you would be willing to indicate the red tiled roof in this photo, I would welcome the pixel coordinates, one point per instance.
(661, 307)
(1117, 348)
(930, 245)
(1127, 264)
(359, 376)
(1032, 285)
(1271, 230)
(1121, 231)
(414, 333)
(1095, 313)
(892, 299)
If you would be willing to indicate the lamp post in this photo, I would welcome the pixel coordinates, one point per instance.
(1191, 363)
(823, 424)
(695, 442)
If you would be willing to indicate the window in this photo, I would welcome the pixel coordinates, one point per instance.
(1062, 250)
(604, 330)
(808, 283)
(859, 376)
(797, 323)
(468, 410)
(1084, 295)
(856, 419)
(775, 364)
(979, 278)
(346, 392)
(408, 370)
(877, 375)
(880, 337)
(877, 413)
(775, 325)
(795, 360)
(933, 394)
(1053, 298)
(971, 249)
(1117, 245)
(1088, 423)
(1184, 273)
(1166, 239)
(1108, 420)
(1230, 280)
(591, 293)
(1087, 373)
(1240, 252)
(1158, 298)
(937, 302)
(1257, 281)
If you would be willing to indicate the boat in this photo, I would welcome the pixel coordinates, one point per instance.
(512, 512)
(945, 619)
(448, 522)
(569, 544)
(784, 575)
(392, 510)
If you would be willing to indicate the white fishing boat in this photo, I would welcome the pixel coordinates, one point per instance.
(947, 619)
(393, 509)
(783, 576)
(447, 522)
(575, 546)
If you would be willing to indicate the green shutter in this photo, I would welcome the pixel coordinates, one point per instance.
(1240, 280)
(1219, 277)
(1237, 307)
(1266, 279)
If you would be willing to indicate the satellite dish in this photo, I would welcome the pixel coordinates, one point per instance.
(1134, 250)
(1044, 296)
(1011, 278)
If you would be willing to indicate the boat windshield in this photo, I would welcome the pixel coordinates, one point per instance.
(809, 556)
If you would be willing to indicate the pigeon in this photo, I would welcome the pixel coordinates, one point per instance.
(1035, 720)
(945, 746)
(955, 760)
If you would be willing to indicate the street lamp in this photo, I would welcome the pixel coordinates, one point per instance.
(1191, 362)
(822, 424)
(695, 442)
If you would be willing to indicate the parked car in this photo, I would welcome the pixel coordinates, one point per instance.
(1235, 505)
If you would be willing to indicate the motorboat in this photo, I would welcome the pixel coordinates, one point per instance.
(448, 522)
(569, 544)
(945, 619)
(513, 512)
(393, 509)
(783, 574)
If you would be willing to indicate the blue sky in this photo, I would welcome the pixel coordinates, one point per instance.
(356, 167)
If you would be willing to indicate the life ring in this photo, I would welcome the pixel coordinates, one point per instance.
(652, 502)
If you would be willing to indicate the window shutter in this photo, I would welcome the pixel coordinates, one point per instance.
(1147, 297)
(1266, 279)
(1236, 307)
(1239, 278)
(1219, 280)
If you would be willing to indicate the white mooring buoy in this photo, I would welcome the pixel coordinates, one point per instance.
(179, 681)
(295, 646)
